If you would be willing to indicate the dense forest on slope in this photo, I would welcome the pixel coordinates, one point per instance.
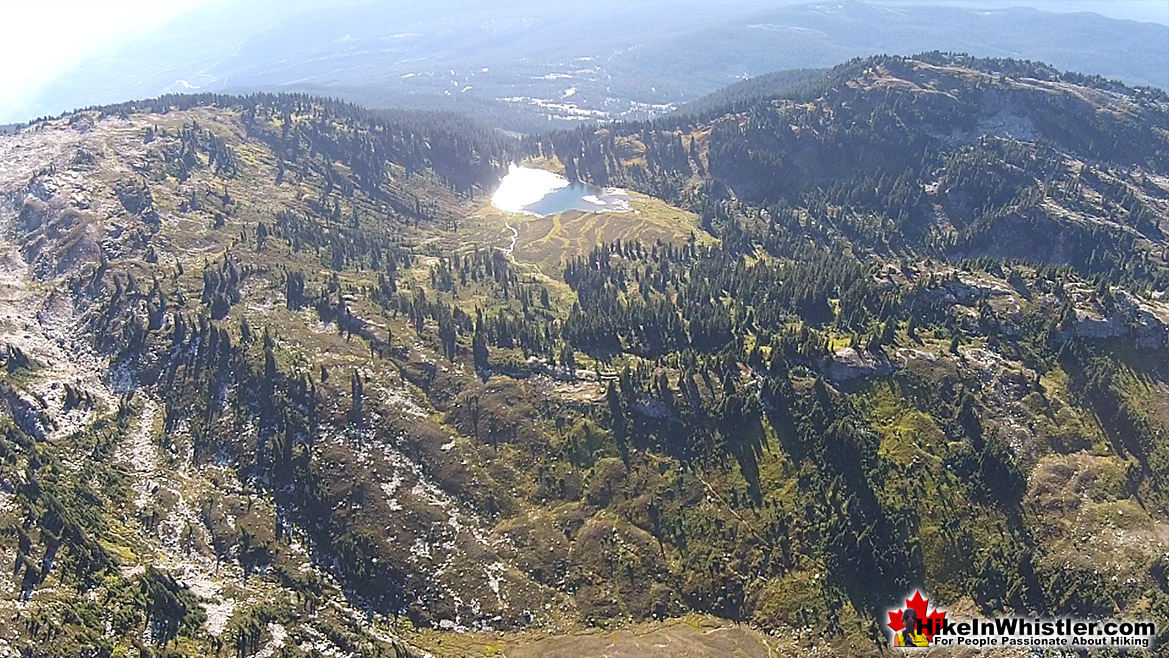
(942, 155)
(274, 384)
(752, 91)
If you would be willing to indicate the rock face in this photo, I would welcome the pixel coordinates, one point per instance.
(849, 364)
(1119, 314)
(1124, 315)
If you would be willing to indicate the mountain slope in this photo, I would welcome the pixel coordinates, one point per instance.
(120, 225)
(277, 379)
(958, 154)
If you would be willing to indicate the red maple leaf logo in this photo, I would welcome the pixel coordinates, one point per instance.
(930, 624)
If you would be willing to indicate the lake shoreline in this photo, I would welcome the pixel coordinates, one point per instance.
(537, 192)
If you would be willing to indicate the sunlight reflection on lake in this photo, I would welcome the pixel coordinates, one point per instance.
(538, 192)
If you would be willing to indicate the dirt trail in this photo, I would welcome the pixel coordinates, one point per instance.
(510, 249)
(139, 453)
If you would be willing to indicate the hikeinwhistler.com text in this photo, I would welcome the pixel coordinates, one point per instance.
(1025, 632)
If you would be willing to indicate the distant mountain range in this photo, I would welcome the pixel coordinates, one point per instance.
(277, 379)
(526, 64)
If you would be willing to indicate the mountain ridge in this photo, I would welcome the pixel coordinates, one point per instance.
(534, 56)
(274, 379)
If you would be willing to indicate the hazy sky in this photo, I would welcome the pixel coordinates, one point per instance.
(31, 54)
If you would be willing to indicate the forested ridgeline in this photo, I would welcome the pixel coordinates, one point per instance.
(938, 155)
(372, 142)
(924, 344)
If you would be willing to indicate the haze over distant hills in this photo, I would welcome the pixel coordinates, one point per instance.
(526, 63)
(277, 377)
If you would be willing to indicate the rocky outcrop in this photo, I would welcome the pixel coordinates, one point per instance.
(850, 363)
(1123, 315)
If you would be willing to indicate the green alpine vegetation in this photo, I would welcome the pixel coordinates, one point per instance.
(277, 380)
